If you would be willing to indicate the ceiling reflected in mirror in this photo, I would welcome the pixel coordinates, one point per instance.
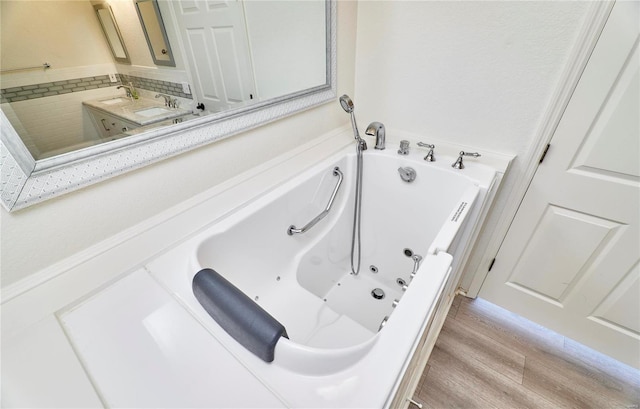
(225, 57)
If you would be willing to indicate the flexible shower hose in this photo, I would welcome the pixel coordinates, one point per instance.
(355, 237)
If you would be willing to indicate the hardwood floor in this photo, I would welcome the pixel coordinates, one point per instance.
(487, 357)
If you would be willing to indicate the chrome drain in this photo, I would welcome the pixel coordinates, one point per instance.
(377, 293)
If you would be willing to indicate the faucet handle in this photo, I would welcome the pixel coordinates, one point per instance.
(458, 163)
(430, 155)
(404, 147)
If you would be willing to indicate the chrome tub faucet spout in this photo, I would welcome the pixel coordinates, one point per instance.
(377, 129)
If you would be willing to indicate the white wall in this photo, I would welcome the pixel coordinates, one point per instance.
(473, 73)
(62, 33)
(44, 234)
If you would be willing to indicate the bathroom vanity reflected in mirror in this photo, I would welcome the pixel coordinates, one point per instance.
(46, 128)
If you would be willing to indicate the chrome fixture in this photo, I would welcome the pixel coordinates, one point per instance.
(417, 259)
(377, 129)
(407, 174)
(383, 323)
(395, 303)
(43, 66)
(361, 145)
(430, 157)
(167, 98)
(404, 148)
(458, 163)
(294, 230)
(413, 402)
(130, 90)
(169, 101)
(377, 293)
(347, 105)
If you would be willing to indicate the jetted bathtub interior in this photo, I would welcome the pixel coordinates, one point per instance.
(332, 317)
(304, 280)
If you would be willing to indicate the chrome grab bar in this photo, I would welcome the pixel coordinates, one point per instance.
(294, 230)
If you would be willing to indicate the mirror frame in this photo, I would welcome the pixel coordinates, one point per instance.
(25, 181)
(154, 4)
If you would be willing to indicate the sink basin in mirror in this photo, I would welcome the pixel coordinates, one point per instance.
(151, 112)
(113, 101)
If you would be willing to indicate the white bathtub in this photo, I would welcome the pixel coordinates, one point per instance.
(304, 280)
(336, 354)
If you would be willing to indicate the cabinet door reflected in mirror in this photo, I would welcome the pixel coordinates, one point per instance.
(154, 32)
(111, 31)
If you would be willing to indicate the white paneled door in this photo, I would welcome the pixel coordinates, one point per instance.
(570, 260)
(214, 39)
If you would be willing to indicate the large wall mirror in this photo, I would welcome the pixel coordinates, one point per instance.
(235, 64)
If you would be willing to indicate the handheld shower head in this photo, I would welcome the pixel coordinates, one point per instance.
(347, 103)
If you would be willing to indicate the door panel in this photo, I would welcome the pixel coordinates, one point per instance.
(570, 258)
(562, 249)
(215, 42)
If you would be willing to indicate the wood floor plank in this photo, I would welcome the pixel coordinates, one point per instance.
(454, 307)
(423, 378)
(475, 360)
(464, 382)
(466, 341)
(511, 330)
(447, 391)
(569, 382)
(626, 376)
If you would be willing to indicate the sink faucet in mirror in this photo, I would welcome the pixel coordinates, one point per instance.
(169, 101)
(131, 91)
